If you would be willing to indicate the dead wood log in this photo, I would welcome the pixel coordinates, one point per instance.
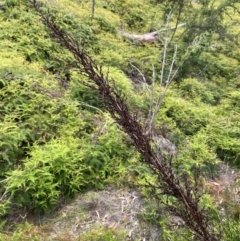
(147, 37)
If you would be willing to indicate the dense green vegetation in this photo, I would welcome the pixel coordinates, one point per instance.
(56, 137)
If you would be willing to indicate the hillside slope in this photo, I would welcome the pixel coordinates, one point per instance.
(57, 138)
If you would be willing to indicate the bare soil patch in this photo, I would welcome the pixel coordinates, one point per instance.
(116, 210)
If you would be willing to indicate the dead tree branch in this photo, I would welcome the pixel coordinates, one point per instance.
(164, 82)
(148, 37)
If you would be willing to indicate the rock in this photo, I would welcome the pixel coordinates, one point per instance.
(164, 146)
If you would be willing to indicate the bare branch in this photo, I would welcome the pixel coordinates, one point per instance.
(163, 83)
(142, 75)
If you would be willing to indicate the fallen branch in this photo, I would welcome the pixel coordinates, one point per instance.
(148, 37)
